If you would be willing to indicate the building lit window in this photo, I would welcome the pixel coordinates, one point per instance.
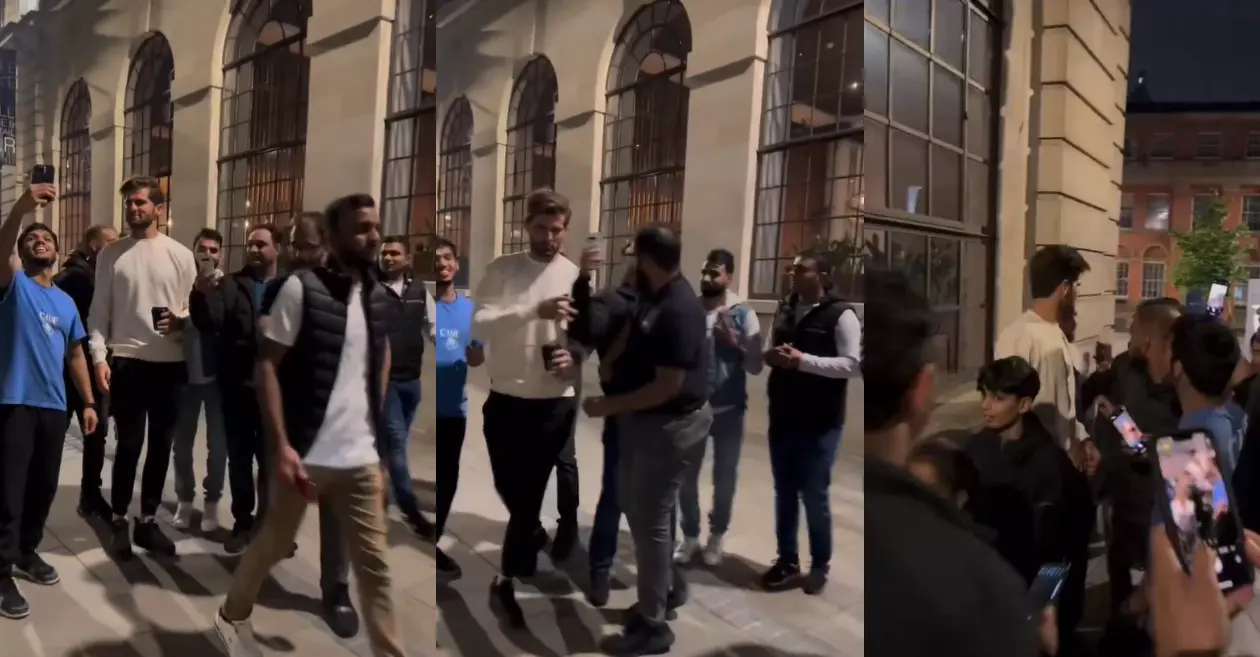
(645, 128)
(1240, 289)
(75, 178)
(1126, 210)
(149, 116)
(1153, 267)
(455, 184)
(1251, 212)
(531, 146)
(409, 198)
(1122, 281)
(1207, 146)
(1157, 206)
(262, 147)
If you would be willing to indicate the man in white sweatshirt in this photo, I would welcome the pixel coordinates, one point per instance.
(141, 304)
(522, 305)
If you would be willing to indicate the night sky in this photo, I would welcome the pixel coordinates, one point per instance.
(1197, 50)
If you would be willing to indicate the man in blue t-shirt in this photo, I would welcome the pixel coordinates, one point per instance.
(455, 354)
(41, 333)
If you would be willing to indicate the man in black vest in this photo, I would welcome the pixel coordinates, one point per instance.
(322, 372)
(815, 349)
(405, 313)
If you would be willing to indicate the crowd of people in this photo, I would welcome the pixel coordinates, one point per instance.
(964, 521)
(673, 368)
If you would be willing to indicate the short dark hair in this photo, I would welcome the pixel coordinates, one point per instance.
(953, 466)
(547, 202)
(95, 232)
(345, 206)
(209, 234)
(1052, 266)
(269, 228)
(723, 258)
(443, 243)
(905, 324)
(399, 240)
(1208, 352)
(1009, 376)
(659, 245)
(1161, 302)
(822, 264)
(39, 227)
(133, 185)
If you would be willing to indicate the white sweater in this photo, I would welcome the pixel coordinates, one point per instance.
(133, 276)
(506, 321)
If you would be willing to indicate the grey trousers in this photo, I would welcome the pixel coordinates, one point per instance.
(656, 452)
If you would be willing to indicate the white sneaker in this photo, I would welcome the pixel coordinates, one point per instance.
(687, 551)
(237, 638)
(713, 551)
(210, 518)
(183, 516)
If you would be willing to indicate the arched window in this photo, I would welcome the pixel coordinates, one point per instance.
(930, 118)
(75, 177)
(150, 115)
(645, 127)
(409, 196)
(455, 186)
(262, 149)
(810, 159)
(531, 146)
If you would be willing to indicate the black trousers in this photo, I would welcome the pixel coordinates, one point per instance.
(247, 445)
(93, 443)
(524, 438)
(31, 440)
(144, 393)
(567, 482)
(450, 444)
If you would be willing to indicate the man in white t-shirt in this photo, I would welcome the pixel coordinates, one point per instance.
(323, 366)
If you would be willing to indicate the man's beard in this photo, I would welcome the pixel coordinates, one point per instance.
(543, 249)
(142, 223)
(33, 262)
(711, 290)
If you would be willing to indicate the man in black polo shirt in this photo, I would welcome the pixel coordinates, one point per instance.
(663, 424)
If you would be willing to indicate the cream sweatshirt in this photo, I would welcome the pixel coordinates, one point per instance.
(1047, 349)
(132, 277)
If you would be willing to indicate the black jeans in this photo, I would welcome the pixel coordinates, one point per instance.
(93, 443)
(450, 444)
(247, 445)
(143, 393)
(567, 482)
(31, 440)
(524, 438)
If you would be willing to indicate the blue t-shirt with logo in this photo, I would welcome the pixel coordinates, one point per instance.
(454, 335)
(40, 324)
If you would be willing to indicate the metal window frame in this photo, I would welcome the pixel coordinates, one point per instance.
(149, 96)
(455, 180)
(75, 201)
(530, 112)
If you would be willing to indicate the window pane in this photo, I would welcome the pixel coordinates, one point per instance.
(875, 52)
(947, 107)
(912, 20)
(1157, 212)
(950, 34)
(909, 157)
(910, 86)
(946, 193)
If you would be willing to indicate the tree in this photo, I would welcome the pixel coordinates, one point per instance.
(1210, 252)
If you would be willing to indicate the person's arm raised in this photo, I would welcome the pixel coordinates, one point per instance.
(35, 196)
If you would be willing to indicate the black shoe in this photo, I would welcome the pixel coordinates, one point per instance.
(12, 603)
(422, 527)
(93, 505)
(564, 542)
(504, 591)
(120, 541)
(37, 570)
(447, 567)
(238, 540)
(678, 593)
(815, 581)
(149, 536)
(632, 617)
(600, 589)
(641, 638)
(339, 612)
(780, 576)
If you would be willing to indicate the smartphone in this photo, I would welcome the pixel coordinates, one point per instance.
(43, 174)
(205, 264)
(1047, 585)
(1129, 431)
(1198, 505)
(1216, 298)
(158, 312)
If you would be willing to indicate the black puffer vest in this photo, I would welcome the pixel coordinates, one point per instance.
(798, 400)
(310, 367)
(404, 317)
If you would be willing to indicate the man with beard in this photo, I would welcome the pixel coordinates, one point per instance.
(42, 334)
(323, 369)
(78, 279)
(138, 311)
(523, 305)
(734, 346)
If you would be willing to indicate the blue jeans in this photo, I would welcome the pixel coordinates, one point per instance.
(402, 398)
(192, 398)
(801, 463)
(727, 434)
(602, 547)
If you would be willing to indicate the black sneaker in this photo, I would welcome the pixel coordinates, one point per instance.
(678, 592)
(564, 542)
(237, 541)
(601, 588)
(12, 603)
(504, 591)
(93, 505)
(339, 612)
(641, 638)
(447, 567)
(780, 576)
(422, 527)
(632, 618)
(815, 581)
(120, 541)
(37, 570)
(149, 536)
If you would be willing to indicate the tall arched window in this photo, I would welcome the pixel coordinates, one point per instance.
(409, 195)
(75, 177)
(931, 78)
(150, 115)
(645, 127)
(455, 186)
(531, 146)
(262, 149)
(810, 160)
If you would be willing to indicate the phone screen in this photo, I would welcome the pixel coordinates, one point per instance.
(1216, 299)
(43, 174)
(1046, 586)
(1129, 431)
(1199, 506)
(205, 264)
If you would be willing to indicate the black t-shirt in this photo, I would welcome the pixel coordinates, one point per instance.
(668, 330)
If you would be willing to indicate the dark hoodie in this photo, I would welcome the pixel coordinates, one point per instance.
(77, 278)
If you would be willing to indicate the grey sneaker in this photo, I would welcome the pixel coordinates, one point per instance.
(237, 637)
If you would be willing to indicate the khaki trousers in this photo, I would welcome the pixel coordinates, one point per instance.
(356, 497)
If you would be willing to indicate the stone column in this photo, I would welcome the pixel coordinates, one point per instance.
(194, 155)
(107, 149)
(486, 226)
(579, 142)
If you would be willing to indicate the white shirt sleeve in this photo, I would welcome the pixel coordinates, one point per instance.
(846, 365)
(102, 305)
(285, 320)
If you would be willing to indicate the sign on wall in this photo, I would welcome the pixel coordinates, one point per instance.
(8, 107)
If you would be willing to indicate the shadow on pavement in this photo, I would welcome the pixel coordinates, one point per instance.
(750, 650)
